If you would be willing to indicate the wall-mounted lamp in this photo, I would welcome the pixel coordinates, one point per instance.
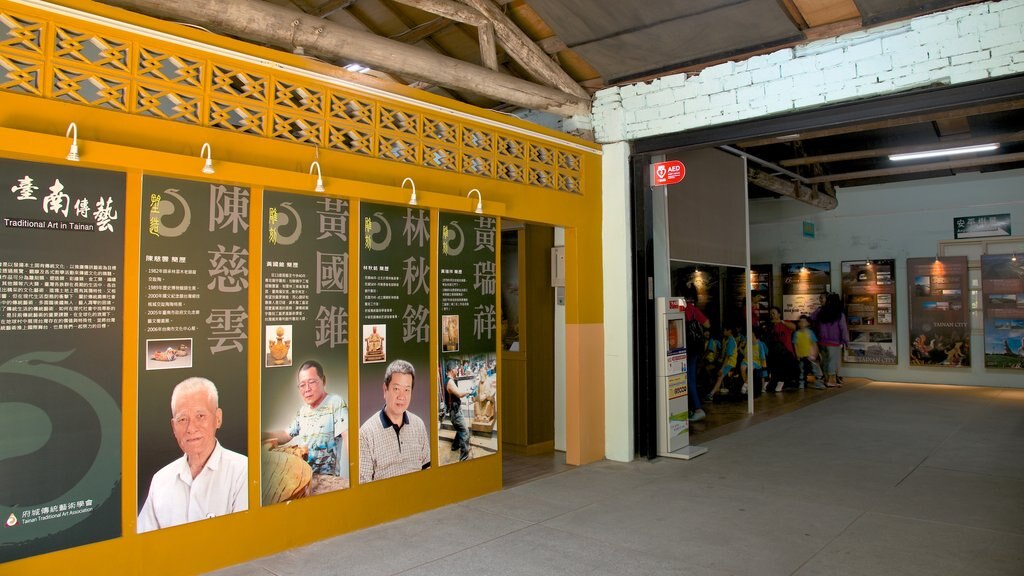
(479, 201)
(412, 199)
(207, 153)
(319, 176)
(73, 152)
(1013, 258)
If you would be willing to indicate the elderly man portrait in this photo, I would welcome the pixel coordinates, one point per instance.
(320, 427)
(394, 441)
(208, 480)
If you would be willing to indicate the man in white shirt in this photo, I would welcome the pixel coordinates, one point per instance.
(208, 480)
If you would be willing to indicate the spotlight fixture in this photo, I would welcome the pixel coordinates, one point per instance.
(943, 152)
(73, 152)
(1013, 258)
(319, 176)
(412, 199)
(479, 201)
(207, 152)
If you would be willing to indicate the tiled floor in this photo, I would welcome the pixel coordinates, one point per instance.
(881, 479)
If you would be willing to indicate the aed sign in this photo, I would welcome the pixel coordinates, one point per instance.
(665, 173)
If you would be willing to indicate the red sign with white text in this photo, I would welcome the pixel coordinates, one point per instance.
(665, 173)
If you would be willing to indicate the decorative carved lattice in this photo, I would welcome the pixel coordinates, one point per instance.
(477, 165)
(92, 88)
(510, 171)
(511, 147)
(156, 65)
(350, 139)
(88, 48)
(21, 75)
(568, 183)
(236, 117)
(478, 140)
(440, 130)
(168, 104)
(238, 83)
(297, 97)
(542, 155)
(20, 33)
(399, 120)
(297, 129)
(441, 157)
(401, 149)
(541, 177)
(345, 107)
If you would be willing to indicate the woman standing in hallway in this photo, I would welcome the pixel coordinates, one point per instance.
(830, 326)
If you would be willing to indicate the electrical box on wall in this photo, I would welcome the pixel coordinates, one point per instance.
(558, 266)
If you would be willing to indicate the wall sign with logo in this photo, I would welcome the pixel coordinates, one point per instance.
(304, 367)
(981, 226)
(468, 371)
(803, 285)
(1002, 287)
(193, 330)
(61, 333)
(394, 334)
(666, 173)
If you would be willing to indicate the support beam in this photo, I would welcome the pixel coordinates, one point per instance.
(879, 152)
(423, 31)
(525, 52)
(448, 9)
(270, 24)
(918, 168)
(488, 49)
(793, 190)
(331, 7)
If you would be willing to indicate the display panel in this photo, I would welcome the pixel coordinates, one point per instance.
(61, 333)
(304, 368)
(939, 329)
(1002, 290)
(804, 286)
(761, 291)
(468, 371)
(869, 294)
(394, 345)
(193, 339)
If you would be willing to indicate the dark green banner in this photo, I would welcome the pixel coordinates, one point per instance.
(193, 331)
(304, 373)
(394, 325)
(468, 371)
(61, 340)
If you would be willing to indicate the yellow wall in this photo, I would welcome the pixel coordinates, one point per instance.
(33, 127)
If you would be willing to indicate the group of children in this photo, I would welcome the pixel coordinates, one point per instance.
(724, 361)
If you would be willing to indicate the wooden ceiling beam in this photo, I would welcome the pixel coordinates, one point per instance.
(522, 49)
(448, 9)
(822, 12)
(888, 123)
(788, 188)
(423, 31)
(270, 24)
(918, 168)
(879, 152)
(332, 6)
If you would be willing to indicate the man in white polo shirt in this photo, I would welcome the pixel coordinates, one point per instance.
(394, 441)
(208, 480)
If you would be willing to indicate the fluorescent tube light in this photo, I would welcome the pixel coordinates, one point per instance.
(944, 152)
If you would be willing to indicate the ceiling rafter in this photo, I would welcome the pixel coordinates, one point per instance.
(271, 24)
(880, 152)
(920, 168)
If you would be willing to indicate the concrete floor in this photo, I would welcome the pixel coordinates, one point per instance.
(884, 479)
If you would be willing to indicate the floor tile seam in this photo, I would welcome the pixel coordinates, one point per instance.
(461, 550)
(825, 545)
(985, 474)
(939, 445)
(945, 523)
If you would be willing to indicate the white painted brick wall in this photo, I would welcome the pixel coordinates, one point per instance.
(960, 45)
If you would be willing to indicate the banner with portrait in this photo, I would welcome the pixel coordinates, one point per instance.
(869, 295)
(468, 371)
(61, 342)
(304, 367)
(939, 331)
(1002, 292)
(394, 341)
(193, 332)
